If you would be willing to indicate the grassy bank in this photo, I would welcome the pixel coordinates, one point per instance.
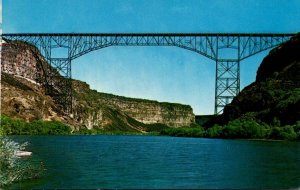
(12, 126)
(236, 129)
(239, 129)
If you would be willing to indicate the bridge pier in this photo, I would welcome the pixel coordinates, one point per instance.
(227, 82)
(61, 82)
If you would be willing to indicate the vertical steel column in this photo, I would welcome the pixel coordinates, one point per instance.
(69, 79)
(227, 82)
(227, 78)
(216, 79)
(238, 88)
(60, 78)
(61, 82)
(48, 74)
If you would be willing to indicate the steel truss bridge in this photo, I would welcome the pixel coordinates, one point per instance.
(227, 83)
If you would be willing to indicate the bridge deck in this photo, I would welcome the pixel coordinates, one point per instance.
(151, 34)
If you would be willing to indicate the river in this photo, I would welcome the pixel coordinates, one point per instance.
(108, 161)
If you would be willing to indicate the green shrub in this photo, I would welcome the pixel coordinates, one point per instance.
(19, 127)
(297, 130)
(232, 131)
(247, 129)
(288, 133)
(13, 168)
(284, 133)
(276, 133)
(251, 129)
(214, 132)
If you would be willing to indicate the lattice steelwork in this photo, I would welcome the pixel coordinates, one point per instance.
(208, 45)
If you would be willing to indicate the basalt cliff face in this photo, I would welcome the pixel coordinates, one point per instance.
(24, 96)
(144, 111)
(274, 98)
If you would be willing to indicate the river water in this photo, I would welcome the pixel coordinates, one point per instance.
(104, 161)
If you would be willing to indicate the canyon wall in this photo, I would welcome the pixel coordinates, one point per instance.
(22, 65)
(274, 98)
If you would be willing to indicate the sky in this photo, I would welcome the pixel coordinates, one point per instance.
(168, 74)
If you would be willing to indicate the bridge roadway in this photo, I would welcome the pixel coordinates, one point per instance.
(227, 83)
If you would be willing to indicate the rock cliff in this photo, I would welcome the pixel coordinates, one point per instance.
(274, 98)
(144, 111)
(23, 96)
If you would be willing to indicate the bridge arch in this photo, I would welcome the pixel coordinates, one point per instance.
(159, 72)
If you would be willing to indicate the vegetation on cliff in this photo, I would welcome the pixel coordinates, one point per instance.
(10, 126)
(37, 127)
(242, 128)
(273, 100)
(275, 95)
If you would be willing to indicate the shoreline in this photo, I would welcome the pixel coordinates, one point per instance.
(155, 134)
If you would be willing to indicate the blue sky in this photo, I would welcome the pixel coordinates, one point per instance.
(161, 73)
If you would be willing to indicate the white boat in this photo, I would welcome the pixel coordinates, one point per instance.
(21, 153)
